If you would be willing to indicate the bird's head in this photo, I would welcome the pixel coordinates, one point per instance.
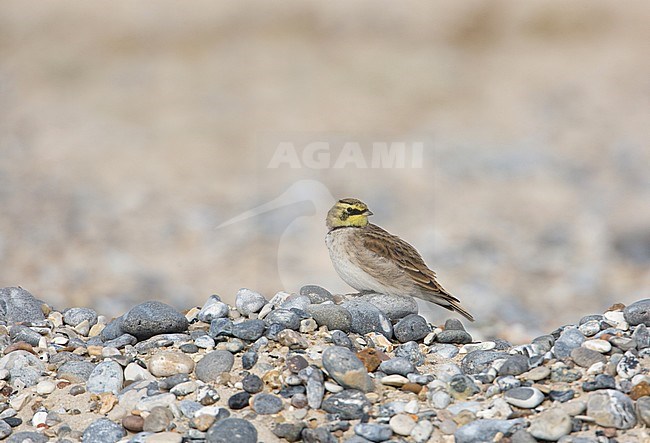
(348, 212)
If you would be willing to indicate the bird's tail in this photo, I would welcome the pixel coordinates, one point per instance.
(447, 301)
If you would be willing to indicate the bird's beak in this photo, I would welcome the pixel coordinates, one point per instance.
(367, 212)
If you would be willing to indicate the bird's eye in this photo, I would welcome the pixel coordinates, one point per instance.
(348, 210)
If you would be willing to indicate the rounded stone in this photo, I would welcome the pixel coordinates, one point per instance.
(570, 339)
(23, 367)
(413, 327)
(212, 309)
(478, 361)
(397, 365)
(598, 345)
(586, 357)
(316, 294)
(335, 317)
(266, 404)
(514, 365)
(249, 302)
(296, 302)
(455, 336)
(550, 424)
(638, 312)
(18, 305)
(167, 363)
(74, 316)
(158, 419)
(348, 405)
(367, 318)
(611, 409)
(75, 371)
(232, 430)
(45, 387)
(373, 432)
(249, 330)
(284, 317)
(402, 424)
(133, 423)
(394, 307)
(103, 430)
(239, 400)
(210, 367)
(106, 377)
(524, 397)
(346, 368)
(152, 318)
(252, 384)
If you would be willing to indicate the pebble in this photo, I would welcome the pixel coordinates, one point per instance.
(456, 336)
(602, 381)
(296, 302)
(348, 405)
(284, 317)
(479, 361)
(561, 396)
(75, 316)
(210, 367)
(346, 368)
(18, 306)
(45, 387)
(292, 339)
(106, 377)
(169, 363)
(158, 419)
(402, 424)
(103, 430)
(231, 430)
(550, 424)
(628, 366)
(524, 397)
(485, 430)
(422, 431)
(393, 307)
(447, 351)
(212, 309)
(537, 374)
(316, 294)
(252, 384)
(20, 333)
(373, 432)
(602, 346)
(249, 330)
(266, 404)
(590, 328)
(611, 408)
(334, 317)
(582, 356)
(367, 318)
(152, 318)
(249, 302)
(289, 431)
(638, 313)
(239, 400)
(133, 423)
(397, 365)
(570, 339)
(643, 408)
(514, 365)
(413, 327)
(411, 351)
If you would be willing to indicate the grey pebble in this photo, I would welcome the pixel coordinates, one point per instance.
(397, 365)
(444, 350)
(524, 397)
(641, 336)
(611, 409)
(586, 357)
(220, 327)
(643, 409)
(601, 381)
(107, 376)
(75, 371)
(373, 432)
(413, 327)
(570, 339)
(348, 405)
(335, 317)
(5, 429)
(289, 431)
(249, 302)
(411, 351)
(74, 316)
(112, 330)
(638, 312)
(252, 384)
(296, 302)
(210, 367)
(249, 330)
(23, 333)
(394, 307)
(121, 341)
(103, 430)
(28, 436)
(248, 359)
(340, 338)
(204, 342)
(158, 419)
(266, 404)
(18, 305)
(316, 294)
(24, 368)
(514, 365)
(152, 318)
(483, 430)
(212, 309)
(368, 318)
(478, 361)
(232, 430)
(284, 317)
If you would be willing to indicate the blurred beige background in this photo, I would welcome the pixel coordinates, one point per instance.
(129, 131)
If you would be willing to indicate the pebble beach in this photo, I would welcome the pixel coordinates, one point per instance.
(316, 367)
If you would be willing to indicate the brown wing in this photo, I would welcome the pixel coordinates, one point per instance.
(393, 248)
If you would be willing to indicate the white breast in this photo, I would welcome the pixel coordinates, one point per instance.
(345, 266)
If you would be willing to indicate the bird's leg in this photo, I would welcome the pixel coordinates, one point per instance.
(360, 293)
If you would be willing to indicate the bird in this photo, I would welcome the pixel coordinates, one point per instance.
(370, 259)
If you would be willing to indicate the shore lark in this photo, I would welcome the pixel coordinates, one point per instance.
(370, 259)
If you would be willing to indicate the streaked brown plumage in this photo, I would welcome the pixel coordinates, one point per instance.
(369, 258)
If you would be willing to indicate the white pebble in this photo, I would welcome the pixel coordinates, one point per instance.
(45, 387)
(422, 431)
(332, 387)
(616, 319)
(598, 345)
(39, 418)
(402, 424)
(394, 380)
(412, 407)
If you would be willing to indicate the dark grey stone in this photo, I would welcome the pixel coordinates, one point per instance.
(410, 351)
(232, 430)
(641, 336)
(24, 333)
(239, 400)
(121, 341)
(316, 294)
(289, 431)
(601, 381)
(18, 305)
(27, 436)
(373, 432)
(484, 430)
(348, 405)
(318, 435)
(515, 365)
(586, 357)
(249, 302)
(103, 430)
(152, 318)
(340, 338)
(112, 330)
(561, 396)
(638, 312)
(545, 342)
(413, 327)
(220, 327)
(394, 307)
(248, 359)
(368, 318)
(252, 384)
(570, 339)
(75, 371)
(454, 336)
(249, 330)
(213, 364)
(335, 317)
(266, 404)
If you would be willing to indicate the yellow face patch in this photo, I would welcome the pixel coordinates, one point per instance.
(348, 212)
